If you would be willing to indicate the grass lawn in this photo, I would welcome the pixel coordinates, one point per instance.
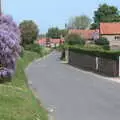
(16, 100)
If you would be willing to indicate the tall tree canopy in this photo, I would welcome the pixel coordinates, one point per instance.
(29, 32)
(79, 22)
(55, 32)
(106, 13)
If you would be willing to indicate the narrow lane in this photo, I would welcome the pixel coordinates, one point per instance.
(74, 94)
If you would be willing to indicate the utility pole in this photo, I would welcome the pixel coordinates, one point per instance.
(0, 7)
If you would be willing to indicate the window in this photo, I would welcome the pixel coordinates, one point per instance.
(117, 37)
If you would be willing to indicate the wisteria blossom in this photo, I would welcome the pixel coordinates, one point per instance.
(9, 46)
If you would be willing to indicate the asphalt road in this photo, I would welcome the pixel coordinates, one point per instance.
(75, 95)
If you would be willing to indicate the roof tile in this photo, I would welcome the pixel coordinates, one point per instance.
(110, 28)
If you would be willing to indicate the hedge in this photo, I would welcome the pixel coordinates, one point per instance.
(94, 52)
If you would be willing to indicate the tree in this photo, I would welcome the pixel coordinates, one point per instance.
(79, 22)
(74, 39)
(29, 32)
(9, 46)
(41, 36)
(63, 32)
(106, 13)
(93, 26)
(53, 32)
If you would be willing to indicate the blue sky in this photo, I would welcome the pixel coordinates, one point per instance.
(49, 13)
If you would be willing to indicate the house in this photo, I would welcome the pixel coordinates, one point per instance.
(111, 31)
(88, 35)
(50, 42)
(56, 42)
(42, 42)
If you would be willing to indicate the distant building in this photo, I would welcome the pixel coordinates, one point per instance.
(42, 42)
(88, 35)
(111, 31)
(49, 42)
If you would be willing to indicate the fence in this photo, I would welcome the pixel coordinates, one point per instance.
(103, 66)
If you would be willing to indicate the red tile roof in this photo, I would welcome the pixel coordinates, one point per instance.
(86, 34)
(42, 41)
(110, 28)
(55, 41)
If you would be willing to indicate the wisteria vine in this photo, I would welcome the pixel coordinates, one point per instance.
(9, 46)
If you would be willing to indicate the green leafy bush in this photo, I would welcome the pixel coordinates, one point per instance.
(22, 52)
(93, 46)
(106, 47)
(35, 48)
(94, 52)
(46, 51)
(74, 39)
(102, 41)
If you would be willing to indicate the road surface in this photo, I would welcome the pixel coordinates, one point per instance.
(76, 95)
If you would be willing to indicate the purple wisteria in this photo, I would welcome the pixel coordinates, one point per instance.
(9, 46)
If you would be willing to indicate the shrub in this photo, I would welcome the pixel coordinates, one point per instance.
(9, 46)
(73, 39)
(60, 48)
(94, 52)
(102, 41)
(46, 51)
(35, 48)
(93, 46)
(106, 47)
(22, 52)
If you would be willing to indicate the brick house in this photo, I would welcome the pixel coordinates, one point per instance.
(111, 31)
(49, 42)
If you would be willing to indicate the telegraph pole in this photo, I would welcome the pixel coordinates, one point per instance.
(0, 7)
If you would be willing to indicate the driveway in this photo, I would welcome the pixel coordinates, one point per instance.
(76, 95)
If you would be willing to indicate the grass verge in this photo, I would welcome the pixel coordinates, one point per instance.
(16, 99)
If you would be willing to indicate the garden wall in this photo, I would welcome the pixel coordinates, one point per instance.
(103, 66)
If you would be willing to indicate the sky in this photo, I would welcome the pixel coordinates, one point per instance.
(51, 13)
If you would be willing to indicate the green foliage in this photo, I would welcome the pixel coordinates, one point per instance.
(102, 41)
(60, 48)
(53, 33)
(42, 36)
(35, 48)
(74, 39)
(22, 52)
(16, 99)
(56, 33)
(93, 26)
(63, 32)
(46, 51)
(93, 46)
(106, 47)
(106, 13)
(38, 49)
(29, 32)
(95, 52)
(79, 22)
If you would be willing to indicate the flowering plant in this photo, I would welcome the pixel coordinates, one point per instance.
(9, 46)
